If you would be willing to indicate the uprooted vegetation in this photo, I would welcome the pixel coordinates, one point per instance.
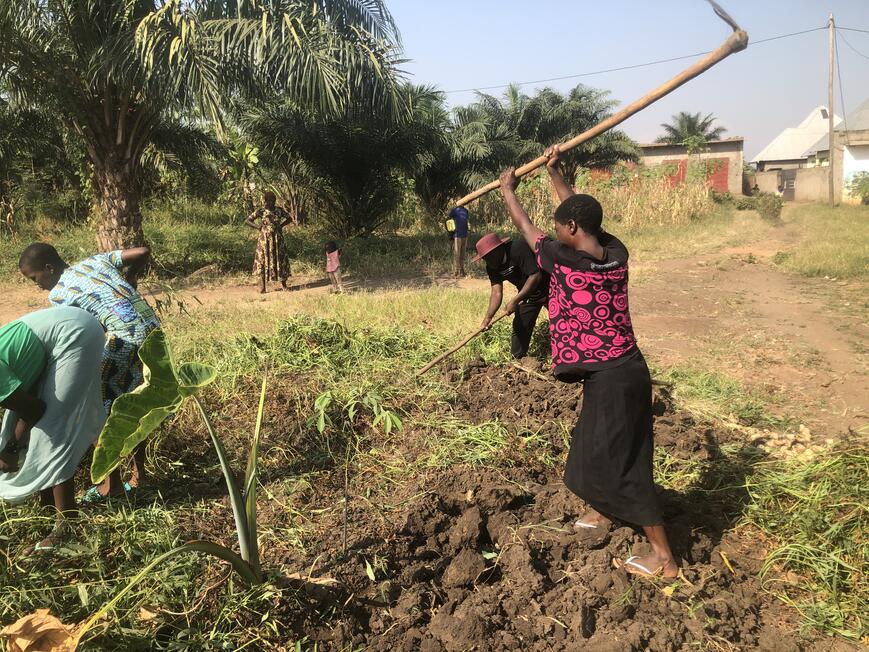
(428, 514)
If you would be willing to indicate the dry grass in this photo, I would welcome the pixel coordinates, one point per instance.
(631, 199)
(834, 242)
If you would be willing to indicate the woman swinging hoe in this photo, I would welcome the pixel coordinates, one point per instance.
(610, 461)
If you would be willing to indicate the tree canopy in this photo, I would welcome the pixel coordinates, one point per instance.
(686, 127)
(113, 71)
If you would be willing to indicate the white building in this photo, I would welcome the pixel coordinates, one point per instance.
(851, 151)
(787, 151)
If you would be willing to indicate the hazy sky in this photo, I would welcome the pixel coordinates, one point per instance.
(756, 93)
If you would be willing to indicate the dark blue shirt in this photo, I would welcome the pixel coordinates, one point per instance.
(460, 216)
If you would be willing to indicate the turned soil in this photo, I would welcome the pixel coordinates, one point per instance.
(480, 558)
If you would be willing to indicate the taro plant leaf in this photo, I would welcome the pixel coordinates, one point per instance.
(136, 415)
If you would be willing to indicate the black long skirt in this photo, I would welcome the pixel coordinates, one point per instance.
(610, 461)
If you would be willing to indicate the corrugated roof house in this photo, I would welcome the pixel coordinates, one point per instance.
(788, 149)
(857, 120)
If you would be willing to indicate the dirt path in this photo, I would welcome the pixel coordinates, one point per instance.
(796, 341)
(793, 339)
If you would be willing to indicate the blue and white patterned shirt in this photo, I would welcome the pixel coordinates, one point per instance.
(97, 285)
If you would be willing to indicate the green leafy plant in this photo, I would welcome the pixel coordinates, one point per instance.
(769, 206)
(324, 415)
(858, 186)
(136, 415)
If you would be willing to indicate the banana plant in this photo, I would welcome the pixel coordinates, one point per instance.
(136, 415)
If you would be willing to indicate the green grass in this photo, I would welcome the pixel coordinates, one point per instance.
(817, 514)
(370, 344)
(834, 242)
(111, 547)
(715, 395)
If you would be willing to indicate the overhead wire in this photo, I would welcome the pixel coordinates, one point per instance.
(628, 67)
(846, 42)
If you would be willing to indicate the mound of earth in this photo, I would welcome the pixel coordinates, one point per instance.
(487, 561)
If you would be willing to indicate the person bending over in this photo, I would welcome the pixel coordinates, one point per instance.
(98, 285)
(609, 465)
(513, 261)
(51, 390)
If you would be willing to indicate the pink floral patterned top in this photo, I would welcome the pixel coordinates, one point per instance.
(589, 322)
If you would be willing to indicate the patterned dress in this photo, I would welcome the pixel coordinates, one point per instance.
(271, 262)
(98, 286)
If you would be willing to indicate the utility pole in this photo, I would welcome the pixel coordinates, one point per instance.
(832, 185)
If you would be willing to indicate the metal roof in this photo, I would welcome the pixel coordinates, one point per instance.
(791, 144)
(857, 120)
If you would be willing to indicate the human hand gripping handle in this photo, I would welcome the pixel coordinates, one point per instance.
(521, 221)
(561, 187)
(511, 306)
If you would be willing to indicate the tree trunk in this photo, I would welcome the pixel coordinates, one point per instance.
(117, 200)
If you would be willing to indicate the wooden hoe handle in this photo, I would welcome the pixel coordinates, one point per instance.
(443, 356)
(736, 42)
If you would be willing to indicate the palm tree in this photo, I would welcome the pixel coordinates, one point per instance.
(690, 127)
(517, 127)
(112, 71)
(449, 165)
(351, 165)
(34, 158)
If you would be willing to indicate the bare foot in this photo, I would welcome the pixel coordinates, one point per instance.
(109, 488)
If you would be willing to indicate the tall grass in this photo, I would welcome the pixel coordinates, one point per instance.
(631, 198)
(817, 513)
(833, 242)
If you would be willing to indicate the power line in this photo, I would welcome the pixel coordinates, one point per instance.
(620, 68)
(845, 41)
(853, 29)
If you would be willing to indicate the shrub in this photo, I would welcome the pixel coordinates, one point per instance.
(745, 203)
(766, 204)
(633, 197)
(769, 206)
(858, 186)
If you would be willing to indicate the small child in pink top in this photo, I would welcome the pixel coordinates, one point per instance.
(333, 266)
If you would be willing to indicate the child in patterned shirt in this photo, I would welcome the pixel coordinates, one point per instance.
(99, 286)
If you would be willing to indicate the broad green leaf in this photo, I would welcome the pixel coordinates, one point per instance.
(136, 415)
(193, 376)
(369, 571)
